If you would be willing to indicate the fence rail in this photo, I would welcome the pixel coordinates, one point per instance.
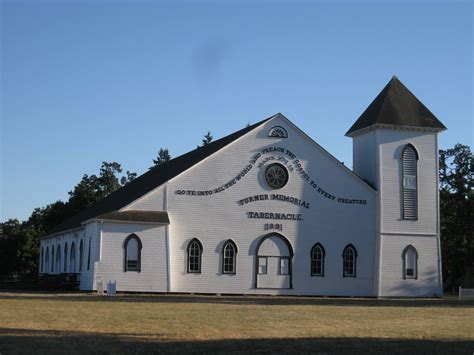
(466, 293)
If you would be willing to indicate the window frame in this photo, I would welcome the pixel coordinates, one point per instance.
(65, 258)
(258, 265)
(126, 267)
(89, 254)
(407, 147)
(72, 257)
(404, 263)
(323, 257)
(232, 244)
(188, 258)
(354, 266)
(58, 259)
(81, 255)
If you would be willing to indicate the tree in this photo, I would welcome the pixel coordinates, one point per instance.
(207, 139)
(163, 157)
(456, 209)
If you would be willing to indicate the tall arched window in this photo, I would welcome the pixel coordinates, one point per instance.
(52, 259)
(410, 263)
(317, 260)
(72, 258)
(194, 256)
(65, 257)
(46, 261)
(229, 257)
(409, 182)
(349, 258)
(132, 252)
(58, 259)
(89, 255)
(81, 255)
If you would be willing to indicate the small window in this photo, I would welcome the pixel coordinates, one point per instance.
(81, 255)
(65, 258)
(262, 265)
(133, 252)
(194, 256)
(410, 263)
(58, 260)
(284, 266)
(46, 262)
(317, 260)
(229, 256)
(409, 182)
(349, 257)
(72, 258)
(89, 255)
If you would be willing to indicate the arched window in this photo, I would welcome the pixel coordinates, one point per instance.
(72, 258)
(46, 261)
(349, 257)
(58, 259)
(52, 259)
(81, 255)
(194, 256)
(89, 255)
(410, 263)
(409, 182)
(317, 260)
(229, 257)
(133, 252)
(65, 257)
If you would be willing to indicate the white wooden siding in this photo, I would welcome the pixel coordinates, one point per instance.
(428, 283)
(153, 274)
(216, 218)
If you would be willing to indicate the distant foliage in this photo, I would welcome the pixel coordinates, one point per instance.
(19, 249)
(456, 216)
(163, 157)
(207, 139)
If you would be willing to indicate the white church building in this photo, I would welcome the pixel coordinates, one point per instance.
(266, 210)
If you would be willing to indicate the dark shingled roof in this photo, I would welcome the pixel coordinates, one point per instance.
(396, 105)
(137, 216)
(150, 180)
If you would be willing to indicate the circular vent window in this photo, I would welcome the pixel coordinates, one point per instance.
(276, 175)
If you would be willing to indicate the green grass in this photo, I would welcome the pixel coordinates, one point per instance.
(147, 323)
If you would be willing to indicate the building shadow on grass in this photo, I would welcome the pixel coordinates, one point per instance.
(243, 300)
(34, 341)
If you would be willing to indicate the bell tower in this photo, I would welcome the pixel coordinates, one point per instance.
(395, 149)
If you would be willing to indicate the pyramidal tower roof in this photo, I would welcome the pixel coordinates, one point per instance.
(395, 105)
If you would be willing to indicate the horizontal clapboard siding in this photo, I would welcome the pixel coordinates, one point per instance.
(421, 203)
(217, 218)
(393, 283)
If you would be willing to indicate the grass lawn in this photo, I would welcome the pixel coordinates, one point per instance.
(77, 323)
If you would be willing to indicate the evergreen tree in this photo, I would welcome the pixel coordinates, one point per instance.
(456, 216)
(163, 157)
(207, 139)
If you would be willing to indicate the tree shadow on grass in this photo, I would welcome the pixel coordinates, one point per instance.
(44, 341)
(243, 300)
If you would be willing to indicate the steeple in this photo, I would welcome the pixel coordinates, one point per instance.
(395, 105)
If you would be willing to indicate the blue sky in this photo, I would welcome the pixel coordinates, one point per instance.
(86, 82)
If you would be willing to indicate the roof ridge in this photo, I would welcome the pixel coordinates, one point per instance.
(151, 179)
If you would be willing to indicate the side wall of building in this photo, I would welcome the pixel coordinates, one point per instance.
(315, 178)
(153, 274)
(397, 233)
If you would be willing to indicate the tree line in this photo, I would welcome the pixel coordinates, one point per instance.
(19, 247)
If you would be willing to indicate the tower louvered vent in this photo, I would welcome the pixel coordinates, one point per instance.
(409, 160)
